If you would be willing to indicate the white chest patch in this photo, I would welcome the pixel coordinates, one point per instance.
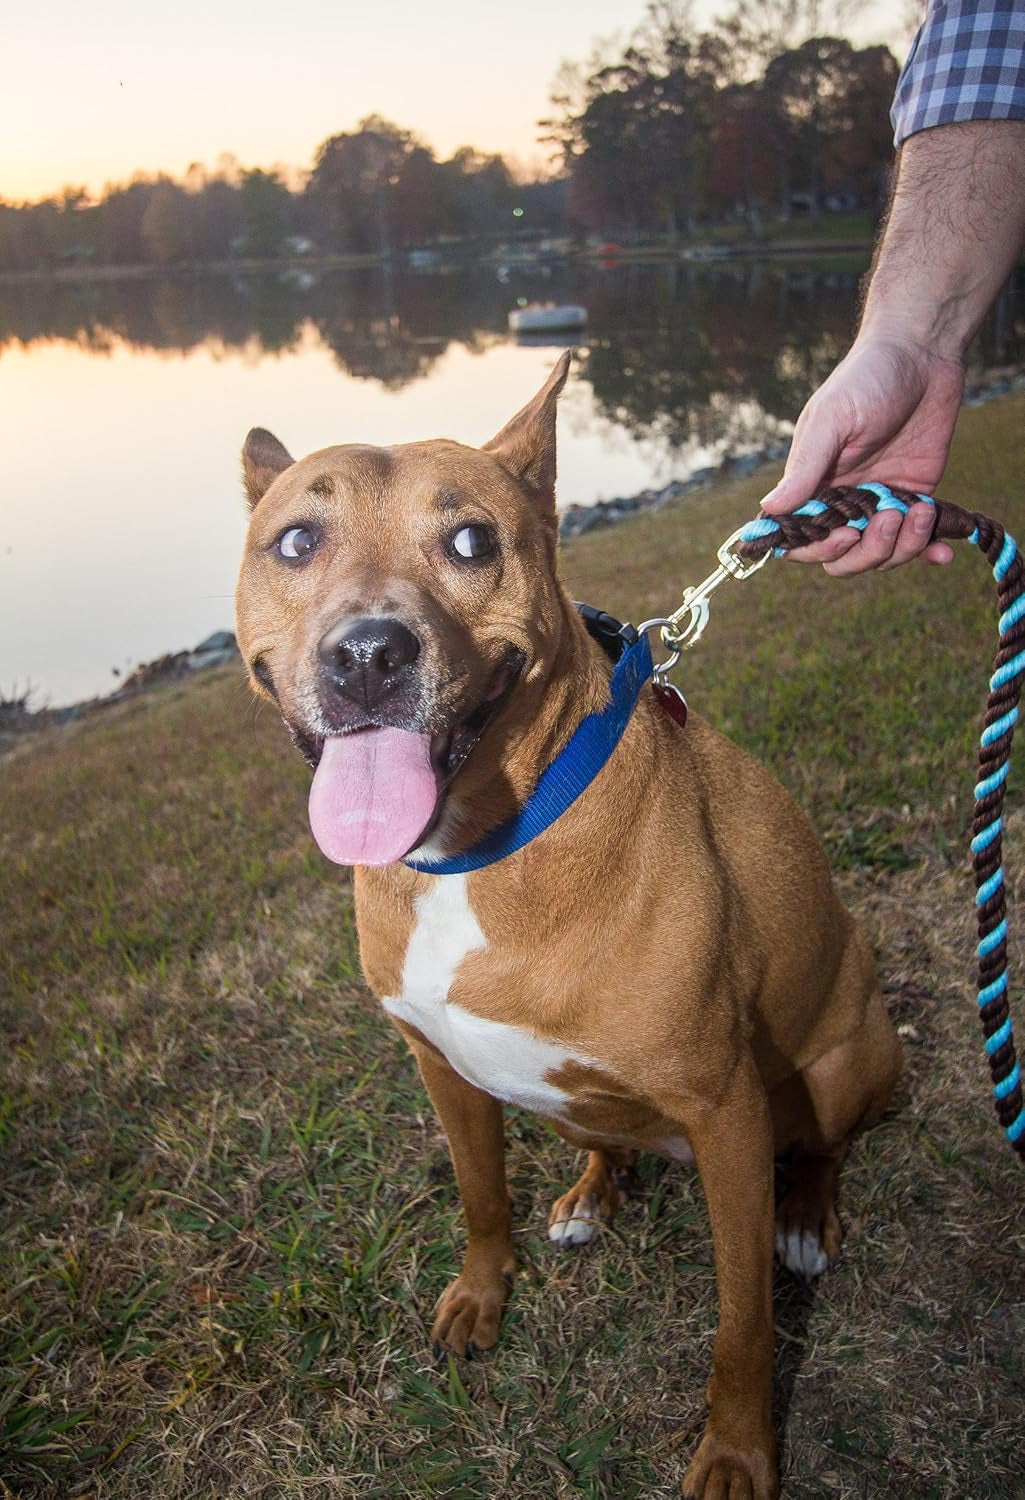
(507, 1061)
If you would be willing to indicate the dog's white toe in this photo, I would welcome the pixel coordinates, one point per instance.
(580, 1229)
(800, 1250)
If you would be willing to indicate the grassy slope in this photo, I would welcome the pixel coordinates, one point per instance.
(827, 227)
(226, 1207)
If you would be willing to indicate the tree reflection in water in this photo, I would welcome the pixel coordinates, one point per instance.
(681, 355)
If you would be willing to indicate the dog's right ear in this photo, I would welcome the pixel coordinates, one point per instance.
(526, 445)
(263, 459)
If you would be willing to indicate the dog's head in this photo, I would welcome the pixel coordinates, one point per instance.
(393, 601)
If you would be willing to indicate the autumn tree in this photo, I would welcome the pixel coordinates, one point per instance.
(681, 124)
(831, 102)
(165, 228)
(265, 207)
(352, 184)
(759, 30)
(636, 141)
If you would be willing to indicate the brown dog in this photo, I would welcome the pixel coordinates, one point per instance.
(402, 607)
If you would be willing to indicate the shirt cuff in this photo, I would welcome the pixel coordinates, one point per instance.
(966, 63)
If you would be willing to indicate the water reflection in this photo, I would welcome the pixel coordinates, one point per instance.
(671, 348)
(136, 394)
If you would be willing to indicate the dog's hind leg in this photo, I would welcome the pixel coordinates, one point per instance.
(594, 1201)
(808, 1234)
(815, 1114)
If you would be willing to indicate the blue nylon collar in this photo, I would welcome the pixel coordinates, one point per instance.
(570, 773)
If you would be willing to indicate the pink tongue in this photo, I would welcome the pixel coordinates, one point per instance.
(373, 794)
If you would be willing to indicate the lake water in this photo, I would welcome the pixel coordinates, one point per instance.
(123, 407)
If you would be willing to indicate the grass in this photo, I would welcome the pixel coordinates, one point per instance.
(827, 227)
(227, 1209)
(817, 235)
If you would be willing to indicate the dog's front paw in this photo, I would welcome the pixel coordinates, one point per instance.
(470, 1311)
(721, 1472)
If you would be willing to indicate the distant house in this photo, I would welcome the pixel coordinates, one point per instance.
(76, 255)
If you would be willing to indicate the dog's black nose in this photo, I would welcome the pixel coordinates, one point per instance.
(365, 659)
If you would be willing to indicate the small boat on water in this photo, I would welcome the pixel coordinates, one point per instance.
(545, 317)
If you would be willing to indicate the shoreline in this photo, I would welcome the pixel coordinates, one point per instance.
(576, 520)
(702, 252)
(18, 718)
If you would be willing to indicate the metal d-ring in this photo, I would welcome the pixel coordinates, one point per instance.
(661, 670)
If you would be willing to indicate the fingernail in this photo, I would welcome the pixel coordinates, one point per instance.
(767, 500)
(890, 524)
(923, 519)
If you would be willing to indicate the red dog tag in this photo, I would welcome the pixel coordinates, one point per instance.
(672, 700)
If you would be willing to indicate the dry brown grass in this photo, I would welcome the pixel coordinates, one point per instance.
(227, 1209)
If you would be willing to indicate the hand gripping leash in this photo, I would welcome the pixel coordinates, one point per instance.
(750, 547)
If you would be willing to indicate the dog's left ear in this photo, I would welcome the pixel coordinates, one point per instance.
(263, 459)
(526, 445)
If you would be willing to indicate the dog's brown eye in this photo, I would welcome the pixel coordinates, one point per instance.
(296, 542)
(473, 544)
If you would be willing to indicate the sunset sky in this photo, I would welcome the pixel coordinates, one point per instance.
(89, 94)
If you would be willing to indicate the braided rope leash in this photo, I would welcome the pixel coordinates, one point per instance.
(854, 507)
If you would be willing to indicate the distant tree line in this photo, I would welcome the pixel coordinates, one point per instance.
(760, 115)
(375, 190)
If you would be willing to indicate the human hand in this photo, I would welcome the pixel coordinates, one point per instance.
(887, 412)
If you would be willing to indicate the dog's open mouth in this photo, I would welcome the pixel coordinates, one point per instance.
(378, 790)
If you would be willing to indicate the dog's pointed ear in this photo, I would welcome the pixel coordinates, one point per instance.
(526, 445)
(263, 459)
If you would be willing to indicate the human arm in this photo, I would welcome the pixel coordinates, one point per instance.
(954, 232)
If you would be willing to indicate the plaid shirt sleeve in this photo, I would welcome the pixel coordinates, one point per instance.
(966, 63)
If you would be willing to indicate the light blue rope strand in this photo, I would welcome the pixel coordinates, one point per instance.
(1008, 553)
(987, 836)
(1000, 1036)
(762, 526)
(992, 939)
(999, 729)
(1009, 1084)
(989, 887)
(999, 776)
(1013, 615)
(887, 499)
(1017, 1127)
(1009, 669)
(991, 991)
